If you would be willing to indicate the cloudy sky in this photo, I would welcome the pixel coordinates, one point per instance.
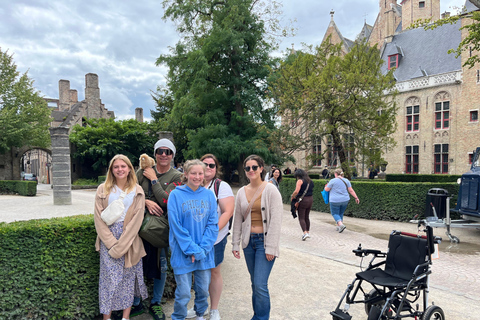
(120, 41)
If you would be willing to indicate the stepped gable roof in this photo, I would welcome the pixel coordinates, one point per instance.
(424, 51)
(365, 33)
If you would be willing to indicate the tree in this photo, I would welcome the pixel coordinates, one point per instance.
(24, 115)
(217, 76)
(343, 100)
(101, 139)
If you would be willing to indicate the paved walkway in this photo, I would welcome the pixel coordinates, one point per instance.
(310, 276)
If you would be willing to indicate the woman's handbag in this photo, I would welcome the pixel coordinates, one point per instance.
(326, 196)
(155, 230)
(114, 210)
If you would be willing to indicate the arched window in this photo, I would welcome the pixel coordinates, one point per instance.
(442, 110)
(412, 111)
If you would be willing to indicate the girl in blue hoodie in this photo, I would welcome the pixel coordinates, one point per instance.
(193, 220)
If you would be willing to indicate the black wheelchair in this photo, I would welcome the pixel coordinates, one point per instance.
(393, 291)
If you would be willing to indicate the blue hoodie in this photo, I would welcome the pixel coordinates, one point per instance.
(193, 220)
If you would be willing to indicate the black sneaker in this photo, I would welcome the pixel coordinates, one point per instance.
(156, 311)
(137, 310)
(117, 315)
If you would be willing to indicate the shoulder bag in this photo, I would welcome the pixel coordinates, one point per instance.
(154, 228)
(114, 210)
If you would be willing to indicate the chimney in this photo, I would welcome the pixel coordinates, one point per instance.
(446, 14)
(64, 95)
(139, 114)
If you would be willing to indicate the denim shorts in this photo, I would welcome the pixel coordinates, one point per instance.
(220, 251)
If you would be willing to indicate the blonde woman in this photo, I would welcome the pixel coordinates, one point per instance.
(193, 221)
(121, 249)
(339, 188)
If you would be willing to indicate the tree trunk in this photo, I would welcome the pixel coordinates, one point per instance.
(338, 144)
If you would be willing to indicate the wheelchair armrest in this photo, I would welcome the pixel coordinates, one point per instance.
(359, 252)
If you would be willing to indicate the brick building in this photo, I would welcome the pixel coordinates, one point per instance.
(437, 102)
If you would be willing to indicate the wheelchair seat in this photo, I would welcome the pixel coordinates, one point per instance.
(403, 256)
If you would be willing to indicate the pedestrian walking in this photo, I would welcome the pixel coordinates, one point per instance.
(303, 194)
(339, 189)
(121, 249)
(193, 222)
(276, 178)
(256, 228)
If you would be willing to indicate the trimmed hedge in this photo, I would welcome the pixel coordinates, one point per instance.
(395, 201)
(23, 188)
(49, 269)
(422, 177)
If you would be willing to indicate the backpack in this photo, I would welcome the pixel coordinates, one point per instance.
(216, 187)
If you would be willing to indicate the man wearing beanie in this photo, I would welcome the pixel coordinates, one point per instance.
(157, 183)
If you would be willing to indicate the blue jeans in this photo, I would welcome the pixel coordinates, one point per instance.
(182, 293)
(338, 209)
(158, 284)
(259, 268)
(219, 249)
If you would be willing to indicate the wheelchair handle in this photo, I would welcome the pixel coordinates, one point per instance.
(359, 252)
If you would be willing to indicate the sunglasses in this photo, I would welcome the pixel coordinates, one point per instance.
(166, 152)
(210, 165)
(247, 169)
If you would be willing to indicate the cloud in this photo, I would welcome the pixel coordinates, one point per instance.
(121, 40)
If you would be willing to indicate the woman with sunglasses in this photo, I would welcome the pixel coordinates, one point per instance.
(225, 205)
(258, 219)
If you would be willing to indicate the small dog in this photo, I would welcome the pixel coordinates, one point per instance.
(146, 161)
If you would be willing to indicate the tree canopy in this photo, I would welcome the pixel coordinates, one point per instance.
(343, 100)
(24, 114)
(217, 78)
(101, 139)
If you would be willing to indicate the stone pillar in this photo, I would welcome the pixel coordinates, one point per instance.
(61, 178)
(139, 114)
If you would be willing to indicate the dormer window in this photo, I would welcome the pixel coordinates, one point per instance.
(393, 61)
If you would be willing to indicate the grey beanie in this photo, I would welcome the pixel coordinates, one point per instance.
(166, 144)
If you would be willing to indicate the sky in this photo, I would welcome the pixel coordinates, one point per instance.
(120, 41)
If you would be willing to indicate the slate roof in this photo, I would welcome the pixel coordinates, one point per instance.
(424, 52)
(365, 33)
(469, 7)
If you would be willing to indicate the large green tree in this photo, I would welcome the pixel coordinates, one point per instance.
(101, 139)
(24, 115)
(217, 78)
(342, 99)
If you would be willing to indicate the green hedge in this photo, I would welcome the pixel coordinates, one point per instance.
(49, 269)
(422, 177)
(397, 201)
(23, 188)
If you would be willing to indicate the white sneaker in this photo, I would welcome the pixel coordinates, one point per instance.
(200, 318)
(214, 315)
(192, 314)
(308, 235)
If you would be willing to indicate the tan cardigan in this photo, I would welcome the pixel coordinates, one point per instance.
(129, 244)
(272, 212)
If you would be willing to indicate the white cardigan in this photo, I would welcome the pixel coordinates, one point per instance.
(272, 212)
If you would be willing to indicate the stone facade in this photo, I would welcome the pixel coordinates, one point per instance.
(442, 89)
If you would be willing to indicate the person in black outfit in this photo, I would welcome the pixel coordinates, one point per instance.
(325, 173)
(304, 195)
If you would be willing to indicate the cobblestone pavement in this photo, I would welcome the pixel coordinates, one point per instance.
(310, 276)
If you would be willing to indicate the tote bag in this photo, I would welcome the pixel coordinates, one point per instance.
(325, 195)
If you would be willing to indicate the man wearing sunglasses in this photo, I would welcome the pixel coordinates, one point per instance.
(157, 183)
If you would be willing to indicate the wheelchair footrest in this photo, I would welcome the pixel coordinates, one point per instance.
(340, 315)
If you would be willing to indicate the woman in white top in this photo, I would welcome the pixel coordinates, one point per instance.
(226, 204)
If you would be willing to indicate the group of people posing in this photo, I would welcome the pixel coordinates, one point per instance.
(199, 207)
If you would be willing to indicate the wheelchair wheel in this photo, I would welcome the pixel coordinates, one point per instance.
(433, 313)
(373, 293)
